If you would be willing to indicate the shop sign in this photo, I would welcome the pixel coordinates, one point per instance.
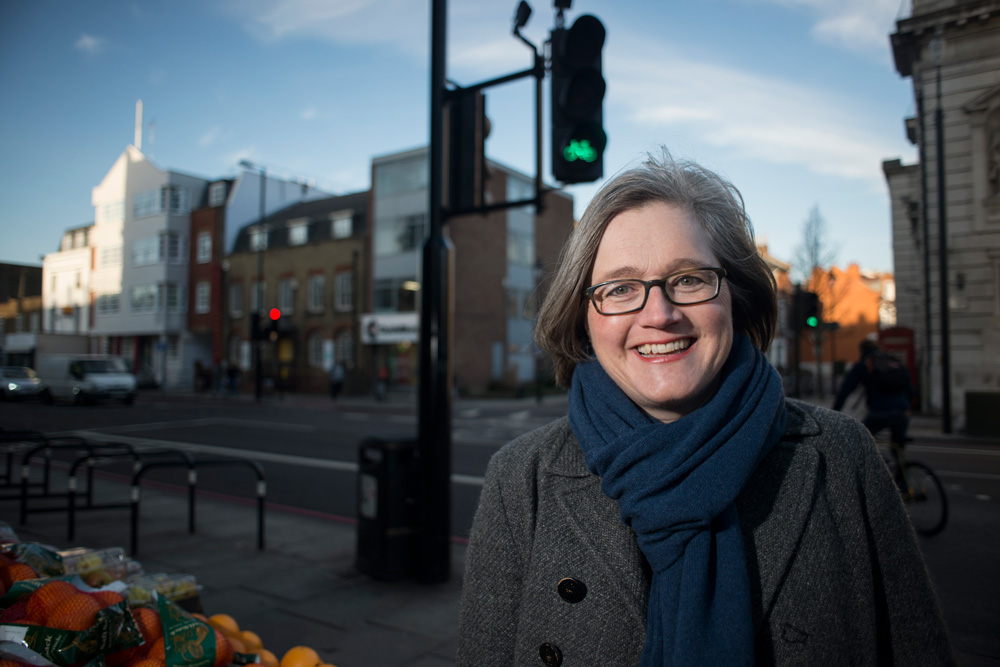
(386, 328)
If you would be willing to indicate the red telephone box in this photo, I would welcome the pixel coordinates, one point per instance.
(899, 342)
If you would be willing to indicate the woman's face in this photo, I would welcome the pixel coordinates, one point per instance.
(649, 243)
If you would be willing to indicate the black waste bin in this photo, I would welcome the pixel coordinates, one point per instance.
(387, 507)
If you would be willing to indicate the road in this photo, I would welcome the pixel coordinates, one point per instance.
(308, 446)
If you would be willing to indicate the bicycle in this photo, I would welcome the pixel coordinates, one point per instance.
(921, 490)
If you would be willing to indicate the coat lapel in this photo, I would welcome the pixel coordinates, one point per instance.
(596, 523)
(774, 509)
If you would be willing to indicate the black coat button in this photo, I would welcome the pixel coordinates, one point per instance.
(572, 590)
(550, 654)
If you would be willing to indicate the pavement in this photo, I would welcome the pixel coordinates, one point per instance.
(304, 587)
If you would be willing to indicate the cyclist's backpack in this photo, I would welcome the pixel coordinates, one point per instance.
(886, 373)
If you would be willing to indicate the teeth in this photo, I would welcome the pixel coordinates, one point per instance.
(664, 348)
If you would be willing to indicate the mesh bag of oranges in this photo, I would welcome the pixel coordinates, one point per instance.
(63, 624)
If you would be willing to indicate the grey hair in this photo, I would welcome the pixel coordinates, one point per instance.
(714, 203)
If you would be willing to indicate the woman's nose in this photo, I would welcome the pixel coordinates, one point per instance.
(658, 310)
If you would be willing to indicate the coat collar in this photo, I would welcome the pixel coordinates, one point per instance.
(774, 508)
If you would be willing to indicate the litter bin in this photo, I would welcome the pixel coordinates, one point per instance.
(387, 507)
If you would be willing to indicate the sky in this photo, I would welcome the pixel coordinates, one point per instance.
(797, 102)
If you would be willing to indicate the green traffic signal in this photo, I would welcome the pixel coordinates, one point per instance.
(580, 149)
(812, 321)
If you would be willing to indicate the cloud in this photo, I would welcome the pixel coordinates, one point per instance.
(861, 26)
(750, 115)
(90, 44)
(309, 113)
(210, 136)
(339, 21)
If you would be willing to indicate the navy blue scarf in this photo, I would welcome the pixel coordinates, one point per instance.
(675, 485)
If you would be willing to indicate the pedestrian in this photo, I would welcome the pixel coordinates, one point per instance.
(336, 380)
(382, 383)
(685, 512)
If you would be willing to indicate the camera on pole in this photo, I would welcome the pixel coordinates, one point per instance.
(577, 101)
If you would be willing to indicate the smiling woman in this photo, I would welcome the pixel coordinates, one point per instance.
(685, 512)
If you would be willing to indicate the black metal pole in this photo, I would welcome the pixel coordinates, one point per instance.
(258, 373)
(925, 222)
(943, 268)
(434, 564)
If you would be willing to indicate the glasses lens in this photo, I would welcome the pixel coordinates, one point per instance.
(620, 296)
(692, 286)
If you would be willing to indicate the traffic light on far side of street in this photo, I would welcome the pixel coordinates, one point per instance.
(806, 311)
(577, 101)
(273, 327)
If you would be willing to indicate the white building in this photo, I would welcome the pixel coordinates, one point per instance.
(66, 277)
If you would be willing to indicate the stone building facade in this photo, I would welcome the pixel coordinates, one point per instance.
(950, 49)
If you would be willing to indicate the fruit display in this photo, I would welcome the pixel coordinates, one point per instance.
(89, 608)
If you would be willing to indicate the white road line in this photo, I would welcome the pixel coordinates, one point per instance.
(307, 461)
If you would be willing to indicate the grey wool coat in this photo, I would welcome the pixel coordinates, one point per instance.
(554, 577)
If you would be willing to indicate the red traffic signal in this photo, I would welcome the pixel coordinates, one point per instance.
(275, 314)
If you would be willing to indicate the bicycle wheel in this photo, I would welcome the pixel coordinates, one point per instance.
(925, 503)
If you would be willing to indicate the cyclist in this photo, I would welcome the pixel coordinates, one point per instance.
(887, 387)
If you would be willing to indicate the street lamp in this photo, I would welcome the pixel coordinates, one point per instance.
(261, 245)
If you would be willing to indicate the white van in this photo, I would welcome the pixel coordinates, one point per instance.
(85, 378)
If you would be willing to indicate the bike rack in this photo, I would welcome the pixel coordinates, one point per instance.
(192, 465)
(46, 448)
(103, 452)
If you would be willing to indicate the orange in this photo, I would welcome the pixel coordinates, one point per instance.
(149, 623)
(106, 598)
(250, 640)
(46, 598)
(300, 656)
(16, 572)
(223, 650)
(77, 612)
(224, 622)
(157, 651)
(266, 658)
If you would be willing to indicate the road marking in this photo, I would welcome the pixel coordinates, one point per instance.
(967, 475)
(286, 459)
(952, 450)
(210, 421)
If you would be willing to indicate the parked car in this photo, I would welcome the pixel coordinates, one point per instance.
(19, 382)
(86, 378)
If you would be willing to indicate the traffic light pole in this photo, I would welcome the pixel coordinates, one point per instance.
(434, 402)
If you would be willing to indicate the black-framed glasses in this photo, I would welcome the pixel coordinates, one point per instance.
(684, 288)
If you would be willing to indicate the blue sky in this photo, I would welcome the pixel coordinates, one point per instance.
(796, 101)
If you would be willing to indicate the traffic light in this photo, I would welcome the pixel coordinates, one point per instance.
(807, 310)
(465, 158)
(255, 333)
(577, 102)
(272, 331)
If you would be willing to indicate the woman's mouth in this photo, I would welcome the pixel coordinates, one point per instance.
(656, 349)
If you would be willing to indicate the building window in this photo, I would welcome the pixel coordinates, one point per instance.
(315, 292)
(236, 300)
(202, 297)
(173, 248)
(343, 348)
(143, 299)
(257, 291)
(108, 304)
(173, 347)
(314, 349)
(341, 224)
(286, 295)
(204, 247)
(171, 296)
(170, 199)
(111, 256)
(520, 249)
(398, 235)
(113, 211)
(258, 238)
(145, 251)
(344, 296)
(217, 194)
(298, 232)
